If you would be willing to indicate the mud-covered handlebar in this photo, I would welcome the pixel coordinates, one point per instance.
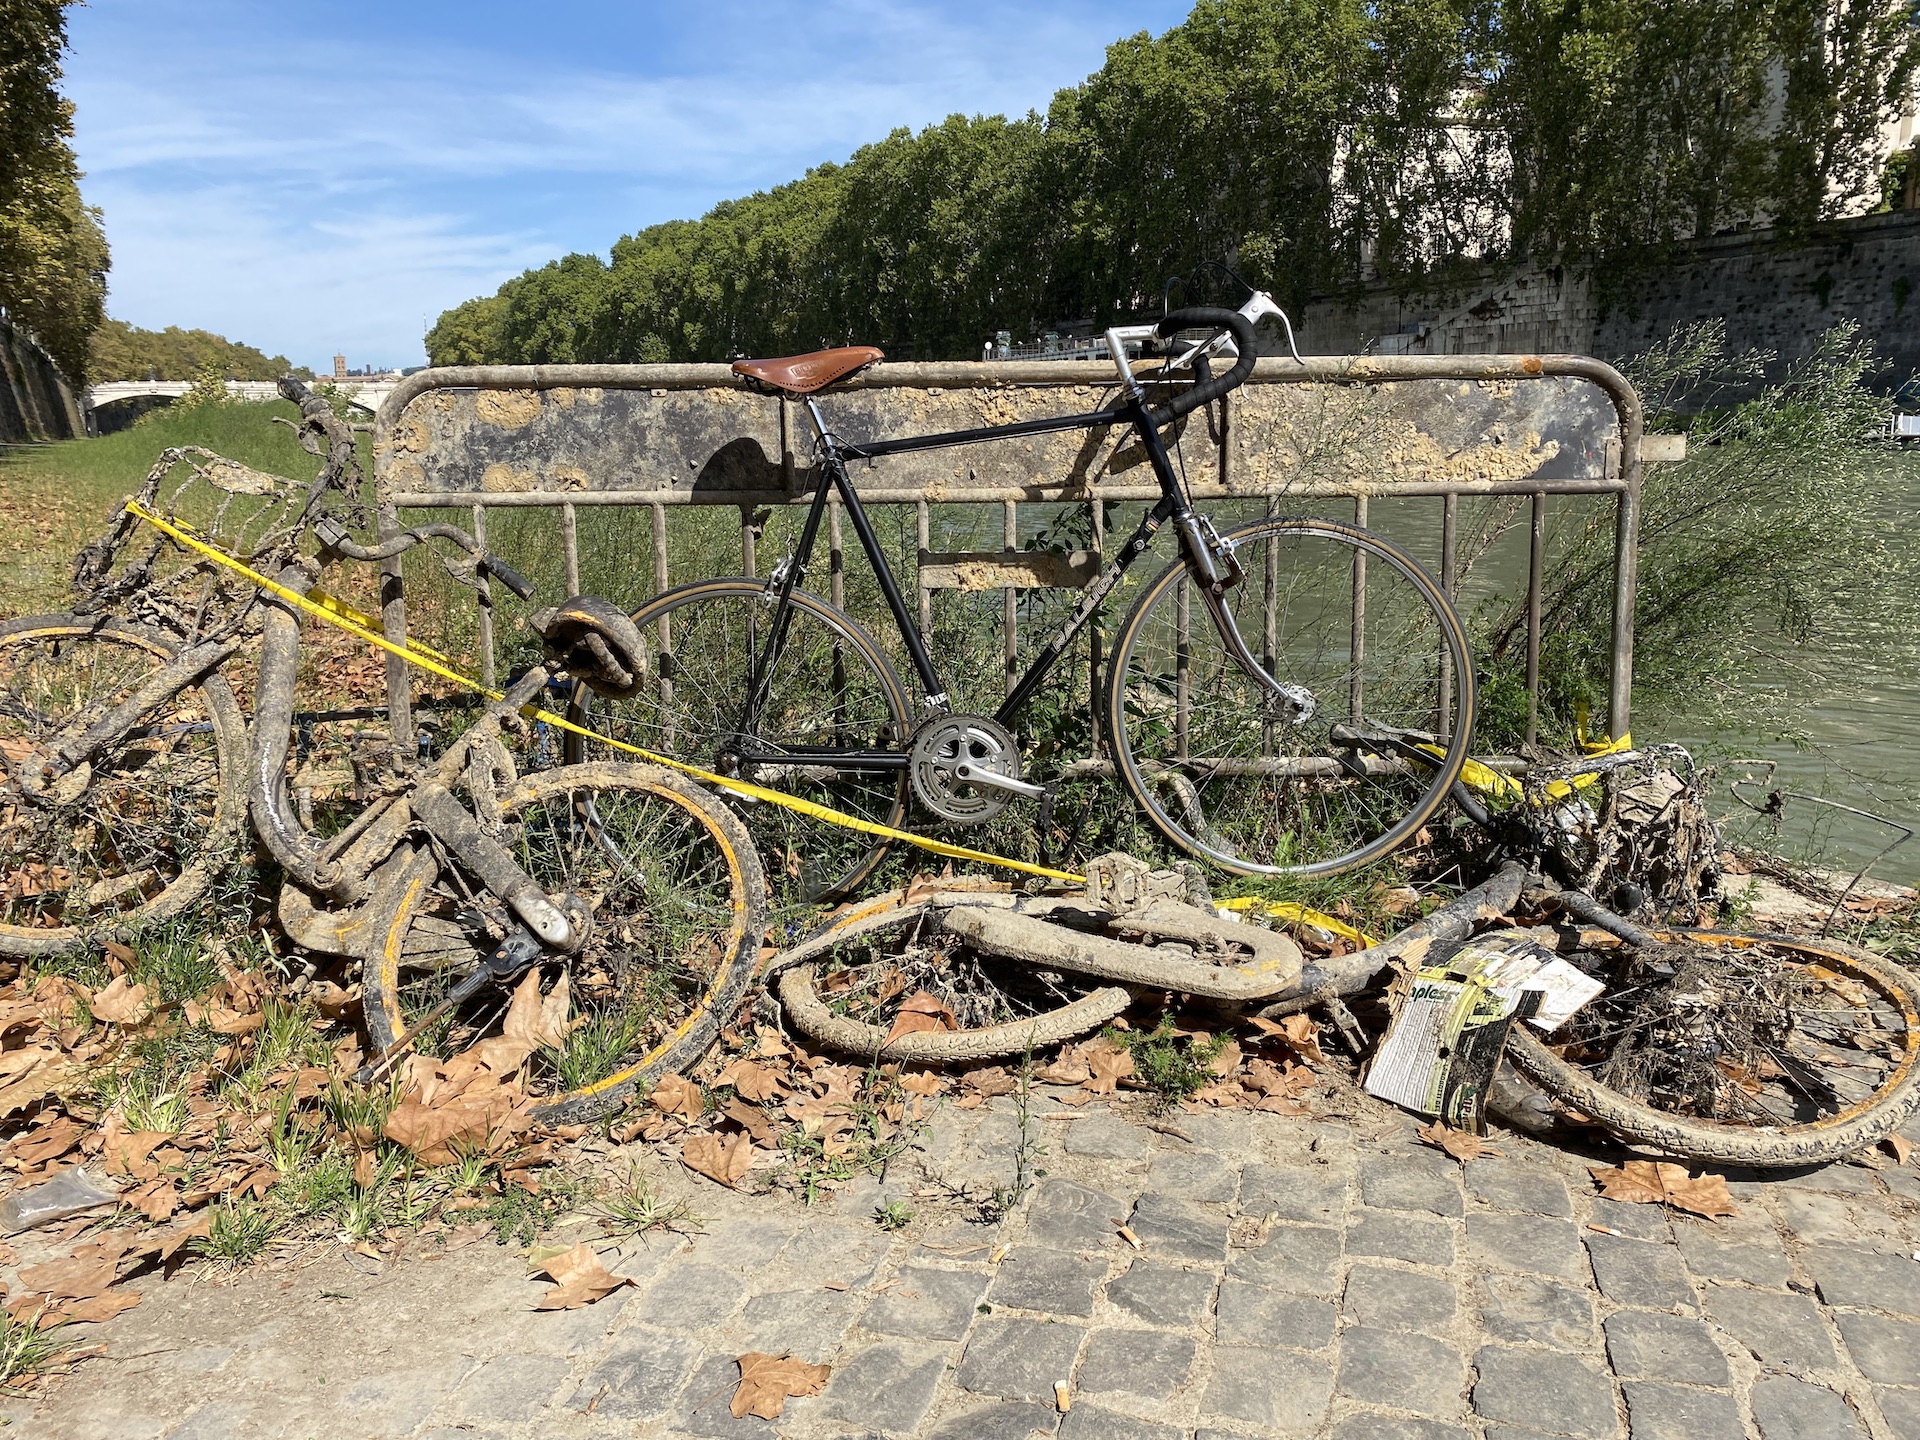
(318, 419)
(1206, 390)
(334, 535)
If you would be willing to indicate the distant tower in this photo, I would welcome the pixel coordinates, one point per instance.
(339, 367)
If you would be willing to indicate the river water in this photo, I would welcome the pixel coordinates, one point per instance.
(1860, 749)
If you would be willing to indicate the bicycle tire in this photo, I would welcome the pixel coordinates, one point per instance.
(715, 876)
(1247, 807)
(1848, 1132)
(154, 815)
(799, 972)
(701, 640)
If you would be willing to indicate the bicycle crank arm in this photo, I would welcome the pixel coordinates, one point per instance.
(993, 780)
(517, 954)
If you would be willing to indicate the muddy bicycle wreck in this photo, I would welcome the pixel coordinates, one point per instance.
(620, 865)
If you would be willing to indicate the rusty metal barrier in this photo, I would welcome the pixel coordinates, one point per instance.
(569, 438)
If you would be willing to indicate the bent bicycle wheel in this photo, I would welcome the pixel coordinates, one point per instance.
(831, 689)
(847, 985)
(678, 908)
(1232, 773)
(1740, 1049)
(136, 834)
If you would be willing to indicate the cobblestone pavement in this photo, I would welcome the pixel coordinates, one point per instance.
(1329, 1277)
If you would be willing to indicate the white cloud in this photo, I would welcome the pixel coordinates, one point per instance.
(302, 181)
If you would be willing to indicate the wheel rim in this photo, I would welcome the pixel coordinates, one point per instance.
(1843, 1038)
(675, 926)
(117, 836)
(1218, 766)
(830, 689)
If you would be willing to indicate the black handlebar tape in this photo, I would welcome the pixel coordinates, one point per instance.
(1206, 391)
(507, 575)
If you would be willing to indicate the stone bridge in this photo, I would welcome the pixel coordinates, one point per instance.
(362, 395)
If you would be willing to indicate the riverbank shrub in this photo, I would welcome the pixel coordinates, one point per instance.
(1771, 559)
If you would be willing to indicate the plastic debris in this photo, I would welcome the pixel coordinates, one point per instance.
(70, 1192)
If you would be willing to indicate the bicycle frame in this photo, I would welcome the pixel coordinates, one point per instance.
(1213, 562)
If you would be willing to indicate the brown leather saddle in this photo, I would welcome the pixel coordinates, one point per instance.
(804, 374)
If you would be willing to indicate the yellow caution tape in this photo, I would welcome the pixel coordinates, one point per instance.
(1287, 910)
(1484, 780)
(336, 613)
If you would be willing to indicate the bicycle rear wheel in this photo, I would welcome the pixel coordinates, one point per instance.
(1218, 765)
(678, 905)
(135, 835)
(832, 688)
(1740, 1049)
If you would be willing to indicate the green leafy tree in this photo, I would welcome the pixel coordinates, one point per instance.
(120, 351)
(1850, 68)
(1313, 143)
(53, 256)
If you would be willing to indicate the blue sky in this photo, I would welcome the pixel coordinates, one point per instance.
(330, 176)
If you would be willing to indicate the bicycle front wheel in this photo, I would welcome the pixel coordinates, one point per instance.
(831, 689)
(678, 906)
(1350, 623)
(135, 835)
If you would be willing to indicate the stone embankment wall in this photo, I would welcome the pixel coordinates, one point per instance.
(1774, 295)
(36, 403)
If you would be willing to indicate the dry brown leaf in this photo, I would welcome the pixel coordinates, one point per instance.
(74, 1278)
(128, 1153)
(535, 1020)
(580, 1279)
(979, 1086)
(1300, 1033)
(1107, 1066)
(767, 1380)
(1069, 1067)
(677, 1095)
(922, 1011)
(1899, 1147)
(753, 1120)
(333, 1000)
(725, 1159)
(1460, 1144)
(122, 1003)
(157, 1199)
(1647, 1182)
(171, 1242)
(751, 1080)
(49, 1142)
(30, 1075)
(38, 1310)
(439, 1136)
(1227, 1061)
(922, 1082)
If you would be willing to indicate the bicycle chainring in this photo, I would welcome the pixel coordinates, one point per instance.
(944, 746)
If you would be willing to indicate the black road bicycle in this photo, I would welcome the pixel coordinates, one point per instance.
(1294, 696)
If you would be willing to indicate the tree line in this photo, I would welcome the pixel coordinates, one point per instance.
(1316, 144)
(119, 351)
(53, 255)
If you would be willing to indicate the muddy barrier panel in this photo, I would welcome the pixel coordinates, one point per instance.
(569, 439)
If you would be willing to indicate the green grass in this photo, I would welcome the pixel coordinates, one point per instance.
(53, 498)
(28, 1350)
(632, 1206)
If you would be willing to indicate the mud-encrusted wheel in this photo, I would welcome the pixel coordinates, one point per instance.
(842, 987)
(1825, 1064)
(678, 908)
(134, 835)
